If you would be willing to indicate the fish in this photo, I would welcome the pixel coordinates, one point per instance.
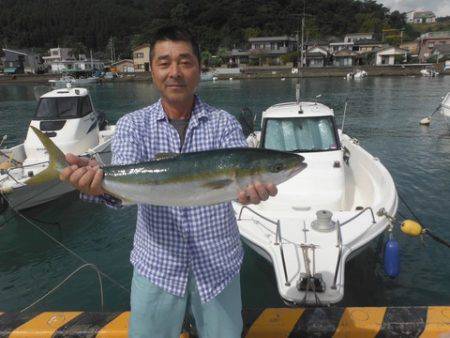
(186, 179)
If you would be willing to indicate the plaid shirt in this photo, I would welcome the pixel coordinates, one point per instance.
(171, 242)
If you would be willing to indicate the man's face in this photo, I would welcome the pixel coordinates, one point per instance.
(175, 70)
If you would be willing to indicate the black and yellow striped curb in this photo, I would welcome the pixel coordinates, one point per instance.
(432, 321)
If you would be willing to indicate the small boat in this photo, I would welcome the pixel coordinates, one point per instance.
(445, 108)
(74, 81)
(429, 72)
(69, 118)
(208, 76)
(359, 74)
(325, 215)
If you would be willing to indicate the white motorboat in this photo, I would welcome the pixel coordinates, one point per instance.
(359, 74)
(64, 80)
(68, 117)
(323, 216)
(207, 76)
(445, 108)
(429, 72)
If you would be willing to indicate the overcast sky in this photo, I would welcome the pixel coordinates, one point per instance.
(439, 7)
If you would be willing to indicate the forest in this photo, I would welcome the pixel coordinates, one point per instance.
(120, 25)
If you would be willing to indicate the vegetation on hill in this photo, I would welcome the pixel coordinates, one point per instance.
(120, 25)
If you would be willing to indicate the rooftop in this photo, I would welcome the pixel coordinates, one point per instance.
(272, 38)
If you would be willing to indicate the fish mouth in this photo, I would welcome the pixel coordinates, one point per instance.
(295, 170)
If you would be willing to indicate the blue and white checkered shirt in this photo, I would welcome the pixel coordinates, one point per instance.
(172, 241)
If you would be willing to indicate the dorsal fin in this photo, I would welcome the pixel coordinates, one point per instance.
(165, 156)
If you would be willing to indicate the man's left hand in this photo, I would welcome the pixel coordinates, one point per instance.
(255, 193)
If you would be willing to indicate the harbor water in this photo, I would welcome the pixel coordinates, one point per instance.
(383, 114)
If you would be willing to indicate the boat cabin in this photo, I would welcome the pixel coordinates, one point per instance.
(304, 127)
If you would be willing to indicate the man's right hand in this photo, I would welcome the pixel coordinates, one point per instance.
(84, 174)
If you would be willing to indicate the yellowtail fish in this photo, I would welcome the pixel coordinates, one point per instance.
(187, 179)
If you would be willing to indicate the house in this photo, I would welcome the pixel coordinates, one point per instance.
(429, 41)
(420, 17)
(338, 46)
(390, 56)
(270, 49)
(123, 66)
(239, 57)
(20, 62)
(316, 57)
(355, 37)
(367, 46)
(141, 58)
(59, 59)
(344, 58)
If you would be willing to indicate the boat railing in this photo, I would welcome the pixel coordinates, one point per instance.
(340, 246)
(278, 238)
(359, 214)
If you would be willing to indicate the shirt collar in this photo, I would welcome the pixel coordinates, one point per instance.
(198, 113)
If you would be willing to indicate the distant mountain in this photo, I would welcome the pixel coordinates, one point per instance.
(101, 24)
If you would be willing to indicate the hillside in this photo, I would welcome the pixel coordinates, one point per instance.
(87, 24)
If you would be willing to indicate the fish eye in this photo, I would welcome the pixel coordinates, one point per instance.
(277, 167)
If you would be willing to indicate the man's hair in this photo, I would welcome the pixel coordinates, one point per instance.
(174, 33)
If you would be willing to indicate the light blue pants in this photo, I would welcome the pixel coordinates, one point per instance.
(158, 314)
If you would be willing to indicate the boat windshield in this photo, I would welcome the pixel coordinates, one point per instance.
(306, 134)
(62, 108)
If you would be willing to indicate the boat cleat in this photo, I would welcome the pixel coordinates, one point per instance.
(311, 283)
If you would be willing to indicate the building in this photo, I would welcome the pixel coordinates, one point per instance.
(429, 41)
(21, 62)
(363, 46)
(420, 17)
(141, 58)
(316, 57)
(344, 58)
(338, 46)
(270, 49)
(239, 57)
(355, 37)
(390, 56)
(123, 66)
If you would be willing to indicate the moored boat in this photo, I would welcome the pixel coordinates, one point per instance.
(69, 118)
(323, 216)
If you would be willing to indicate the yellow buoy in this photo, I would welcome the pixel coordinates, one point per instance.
(411, 228)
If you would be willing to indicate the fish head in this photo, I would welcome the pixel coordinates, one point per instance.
(279, 166)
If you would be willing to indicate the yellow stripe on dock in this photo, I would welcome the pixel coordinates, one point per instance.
(360, 322)
(117, 328)
(43, 325)
(438, 322)
(274, 323)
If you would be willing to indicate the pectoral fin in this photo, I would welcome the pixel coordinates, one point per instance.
(218, 184)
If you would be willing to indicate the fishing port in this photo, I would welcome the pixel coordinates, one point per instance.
(354, 244)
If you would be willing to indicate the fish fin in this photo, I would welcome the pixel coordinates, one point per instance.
(57, 160)
(44, 176)
(165, 156)
(218, 184)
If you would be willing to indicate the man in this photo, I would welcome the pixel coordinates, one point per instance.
(183, 258)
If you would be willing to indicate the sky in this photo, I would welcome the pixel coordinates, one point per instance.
(439, 7)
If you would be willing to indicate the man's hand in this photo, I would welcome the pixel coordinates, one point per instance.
(255, 193)
(84, 174)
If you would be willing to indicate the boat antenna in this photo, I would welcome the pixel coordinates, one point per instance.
(300, 44)
(343, 117)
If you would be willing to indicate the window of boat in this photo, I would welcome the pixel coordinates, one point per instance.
(57, 108)
(306, 134)
(86, 107)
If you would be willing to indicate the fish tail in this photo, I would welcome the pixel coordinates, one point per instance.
(57, 160)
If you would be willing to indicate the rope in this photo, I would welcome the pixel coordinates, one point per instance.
(409, 208)
(93, 266)
(73, 253)
(436, 238)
